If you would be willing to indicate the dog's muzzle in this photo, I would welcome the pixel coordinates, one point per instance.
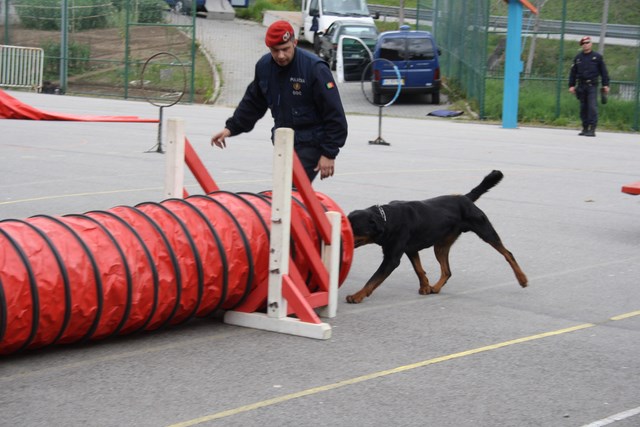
(361, 241)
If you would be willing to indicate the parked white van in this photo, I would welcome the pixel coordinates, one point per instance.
(317, 15)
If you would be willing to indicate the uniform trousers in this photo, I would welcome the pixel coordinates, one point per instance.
(588, 96)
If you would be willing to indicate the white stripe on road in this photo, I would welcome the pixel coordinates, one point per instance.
(613, 418)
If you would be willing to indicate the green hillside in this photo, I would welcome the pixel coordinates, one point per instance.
(620, 11)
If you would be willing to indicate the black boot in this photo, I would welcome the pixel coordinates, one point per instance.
(584, 130)
(591, 131)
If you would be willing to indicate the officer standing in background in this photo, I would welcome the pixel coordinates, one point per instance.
(298, 88)
(587, 67)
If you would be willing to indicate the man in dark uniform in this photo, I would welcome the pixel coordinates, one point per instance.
(299, 89)
(587, 67)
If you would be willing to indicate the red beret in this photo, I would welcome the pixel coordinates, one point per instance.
(585, 39)
(279, 32)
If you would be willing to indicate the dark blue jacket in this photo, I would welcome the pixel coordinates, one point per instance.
(588, 66)
(302, 96)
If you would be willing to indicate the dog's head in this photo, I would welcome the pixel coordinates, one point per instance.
(367, 226)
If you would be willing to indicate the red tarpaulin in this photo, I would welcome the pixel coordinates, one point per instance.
(11, 108)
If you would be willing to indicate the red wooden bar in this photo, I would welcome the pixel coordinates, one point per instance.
(633, 188)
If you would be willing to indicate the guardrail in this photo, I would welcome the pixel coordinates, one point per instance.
(393, 11)
(631, 32)
(21, 67)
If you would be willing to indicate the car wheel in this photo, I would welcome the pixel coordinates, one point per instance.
(435, 98)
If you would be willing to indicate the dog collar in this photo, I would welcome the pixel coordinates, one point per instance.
(382, 214)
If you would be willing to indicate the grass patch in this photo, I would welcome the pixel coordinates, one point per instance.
(538, 104)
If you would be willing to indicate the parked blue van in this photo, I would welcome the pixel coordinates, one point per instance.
(415, 53)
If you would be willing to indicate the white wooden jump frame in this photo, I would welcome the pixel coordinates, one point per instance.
(276, 318)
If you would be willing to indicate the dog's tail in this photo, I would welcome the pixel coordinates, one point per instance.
(487, 184)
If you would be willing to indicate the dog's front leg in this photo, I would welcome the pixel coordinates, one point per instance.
(389, 263)
(414, 257)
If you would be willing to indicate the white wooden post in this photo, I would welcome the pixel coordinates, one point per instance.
(280, 220)
(276, 319)
(331, 260)
(174, 163)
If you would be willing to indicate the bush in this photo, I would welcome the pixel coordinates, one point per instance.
(46, 14)
(151, 11)
(77, 63)
(39, 14)
(118, 4)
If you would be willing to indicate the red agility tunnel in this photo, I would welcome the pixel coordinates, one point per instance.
(129, 269)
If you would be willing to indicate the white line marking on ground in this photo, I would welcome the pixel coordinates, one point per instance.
(614, 418)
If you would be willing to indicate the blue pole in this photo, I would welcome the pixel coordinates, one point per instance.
(513, 66)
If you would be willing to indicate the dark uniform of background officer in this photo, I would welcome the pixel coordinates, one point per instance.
(587, 67)
(299, 89)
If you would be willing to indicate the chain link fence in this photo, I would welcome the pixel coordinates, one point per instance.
(472, 36)
(100, 47)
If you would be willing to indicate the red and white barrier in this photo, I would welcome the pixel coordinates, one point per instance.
(286, 288)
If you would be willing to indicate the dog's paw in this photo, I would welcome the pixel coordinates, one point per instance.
(523, 281)
(354, 299)
(424, 290)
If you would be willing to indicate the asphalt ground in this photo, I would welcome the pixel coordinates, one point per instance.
(484, 352)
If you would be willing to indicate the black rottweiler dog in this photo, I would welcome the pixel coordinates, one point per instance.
(408, 227)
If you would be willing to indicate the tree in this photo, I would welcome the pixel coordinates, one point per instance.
(603, 27)
(532, 46)
(401, 14)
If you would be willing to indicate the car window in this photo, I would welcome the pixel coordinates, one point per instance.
(392, 49)
(346, 7)
(420, 49)
(360, 32)
(332, 30)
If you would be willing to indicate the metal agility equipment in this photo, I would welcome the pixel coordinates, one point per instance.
(158, 82)
(91, 276)
(365, 76)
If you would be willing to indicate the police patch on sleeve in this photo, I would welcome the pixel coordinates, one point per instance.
(330, 85)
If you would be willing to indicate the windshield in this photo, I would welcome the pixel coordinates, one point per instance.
(345, 7)
(360, 32)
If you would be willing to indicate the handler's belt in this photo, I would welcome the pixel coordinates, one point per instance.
(588, 82)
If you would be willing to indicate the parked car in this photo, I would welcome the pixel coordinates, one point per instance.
(185, 6)
(415, 53)
(318, 15)
(354, 54)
